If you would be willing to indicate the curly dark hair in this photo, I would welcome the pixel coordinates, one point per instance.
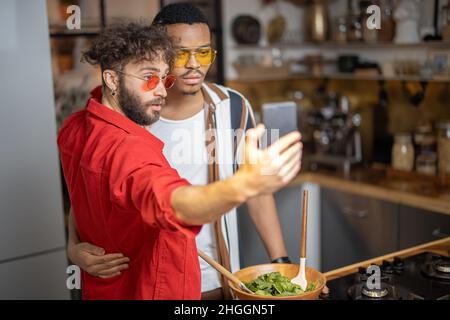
(120, 44)
(180, 13)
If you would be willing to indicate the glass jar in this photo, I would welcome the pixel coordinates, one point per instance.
(355, 32)
(444, 148)
(426, 163)
(387, 32)
(340, 29)
(403, 152)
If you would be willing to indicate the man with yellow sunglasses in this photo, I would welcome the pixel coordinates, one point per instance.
(193, 109)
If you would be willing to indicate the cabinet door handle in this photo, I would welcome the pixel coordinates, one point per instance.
(438, 234)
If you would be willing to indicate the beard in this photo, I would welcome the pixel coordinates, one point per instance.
(135, 109)
(193, 90)
(190, 93)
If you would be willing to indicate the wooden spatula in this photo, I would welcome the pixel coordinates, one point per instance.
(300, 279)
(224, 271)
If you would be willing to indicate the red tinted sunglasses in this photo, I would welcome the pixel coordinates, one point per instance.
(152, 81)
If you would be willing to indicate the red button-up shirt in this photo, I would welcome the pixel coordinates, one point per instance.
(120, 186)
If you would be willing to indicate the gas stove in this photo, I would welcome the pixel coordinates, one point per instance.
(421, 277)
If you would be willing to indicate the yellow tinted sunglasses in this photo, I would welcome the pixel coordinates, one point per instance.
(205, 56)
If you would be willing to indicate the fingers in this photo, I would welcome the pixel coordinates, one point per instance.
(90, 248)
(292, 173)
(252, 139)
(289, 154)
(290, 165)
(284, 143)
(108, 258)
(112, 272)
(255, 133)
(284, 162)
(111, 268)
(93, 264)
(110, 276)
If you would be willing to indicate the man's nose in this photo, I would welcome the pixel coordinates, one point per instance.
(160, 90)
(192, 62)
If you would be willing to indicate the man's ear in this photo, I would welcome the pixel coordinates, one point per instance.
(111, 80)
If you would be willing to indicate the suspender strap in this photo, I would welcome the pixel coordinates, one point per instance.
(238, 121)
(213, 175)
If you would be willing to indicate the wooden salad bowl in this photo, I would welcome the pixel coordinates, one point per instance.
(288, 270)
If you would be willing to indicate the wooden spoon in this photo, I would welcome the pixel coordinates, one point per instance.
(224, 271)
(300, 279)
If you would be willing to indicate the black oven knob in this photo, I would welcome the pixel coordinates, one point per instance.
(399, 265)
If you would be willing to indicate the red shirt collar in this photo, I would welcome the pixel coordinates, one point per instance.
(95, 107)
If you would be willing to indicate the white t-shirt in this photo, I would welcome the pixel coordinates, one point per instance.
(184, 149)
(191, 164)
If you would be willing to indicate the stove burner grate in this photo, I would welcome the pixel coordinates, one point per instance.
(437, 268)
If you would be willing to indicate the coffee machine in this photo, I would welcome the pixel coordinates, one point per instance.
(335, 135)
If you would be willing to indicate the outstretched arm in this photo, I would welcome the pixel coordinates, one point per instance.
(263, 172)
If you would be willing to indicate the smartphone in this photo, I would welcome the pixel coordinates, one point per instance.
(280, 118)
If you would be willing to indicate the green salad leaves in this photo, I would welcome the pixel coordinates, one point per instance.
(275, 284)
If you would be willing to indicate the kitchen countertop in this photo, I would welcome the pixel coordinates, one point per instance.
(417, 192)
(441, 247)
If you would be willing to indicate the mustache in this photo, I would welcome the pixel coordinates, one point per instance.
(160, 101)
(193, 73)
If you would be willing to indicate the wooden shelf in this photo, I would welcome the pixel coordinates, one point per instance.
(341, 76)
(74, 34)
(349, 45)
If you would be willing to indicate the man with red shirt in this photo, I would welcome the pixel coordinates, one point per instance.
(125, 196)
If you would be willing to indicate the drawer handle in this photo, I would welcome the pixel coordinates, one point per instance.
(438, 234)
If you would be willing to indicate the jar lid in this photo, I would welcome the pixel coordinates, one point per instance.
(403, 137)
(425, 139)
(428, 157)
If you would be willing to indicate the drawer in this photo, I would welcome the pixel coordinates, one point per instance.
(418, 226)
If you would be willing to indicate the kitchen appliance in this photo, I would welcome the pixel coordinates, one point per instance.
(336, 136)
(33, 258)
(424, 276)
